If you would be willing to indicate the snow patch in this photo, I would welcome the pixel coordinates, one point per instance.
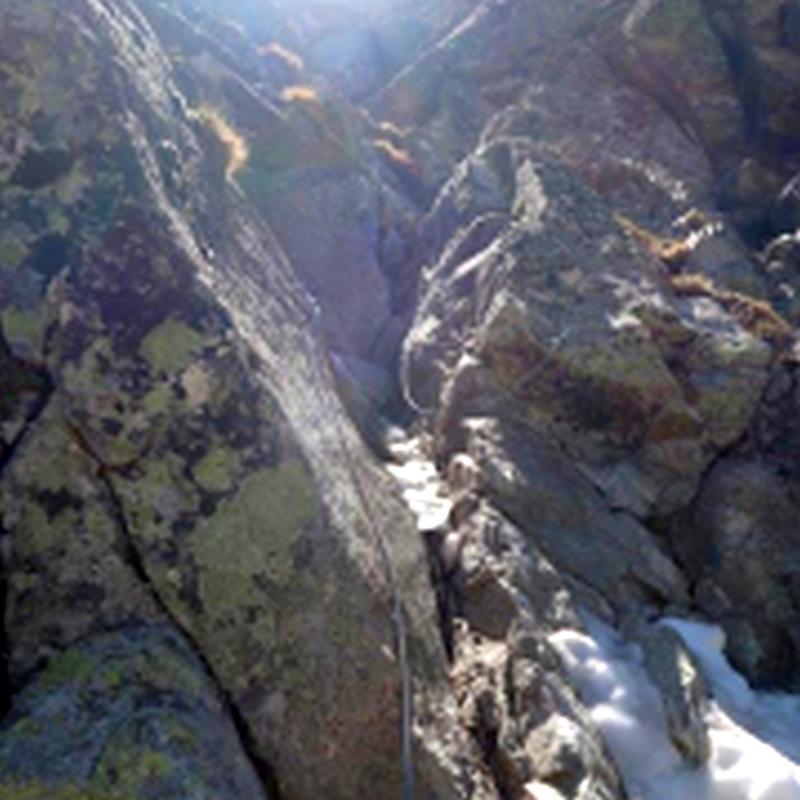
(755, 736)
(423, 489)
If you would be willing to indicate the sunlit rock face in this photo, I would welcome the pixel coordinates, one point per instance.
(556, 238)
(577, 331)
(559, 299)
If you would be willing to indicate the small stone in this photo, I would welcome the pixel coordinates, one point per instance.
(463, 473)
(683, 691)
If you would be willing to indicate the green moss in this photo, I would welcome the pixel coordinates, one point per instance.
(160, 484)
(41, 791)
(54, 472)
(97, 523)
(12, 252)
(130, 770)
(40, 535)
(72, 186)
(71, 666)
(23, 328)
(171, 346)
(27, 727)
(154, 765)
(29, 103)
(113, 678)
(182, 738)
(158, 400)
(165, 669)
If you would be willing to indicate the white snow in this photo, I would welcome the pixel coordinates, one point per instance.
(423, 489)
(755, 736)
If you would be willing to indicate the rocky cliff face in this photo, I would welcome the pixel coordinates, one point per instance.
(557, 238)
(584, 288)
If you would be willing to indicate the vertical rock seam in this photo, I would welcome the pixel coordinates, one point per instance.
(38, 379)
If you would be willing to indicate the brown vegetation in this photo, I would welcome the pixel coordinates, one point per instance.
(234, 143)
(692, 284)
(389, 129)
(395, 155)
(673, 252)
(300, 94)
(284, 54)
(756, 316)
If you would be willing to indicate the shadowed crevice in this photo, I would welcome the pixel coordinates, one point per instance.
(26, 393)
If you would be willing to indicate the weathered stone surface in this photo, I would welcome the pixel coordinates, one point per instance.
(499, 597)
(606, 557)
(548, 311)
(734, 76)
(672, 51)
(683, 691)
(178, 177)
(128, 714)
(526, 719)
(560, 322)
(781, 260)
(69, 571)
(196, 465)
(536, 790)
(311, 170)
(785, 215)
(739, 543)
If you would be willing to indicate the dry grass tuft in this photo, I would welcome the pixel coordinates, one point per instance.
(756, 316)
(692, 284)
(394, 154)
(284, 54)
(389, 129)
(300, 94)
(673, 252)
(234, 143)
(760, 318)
